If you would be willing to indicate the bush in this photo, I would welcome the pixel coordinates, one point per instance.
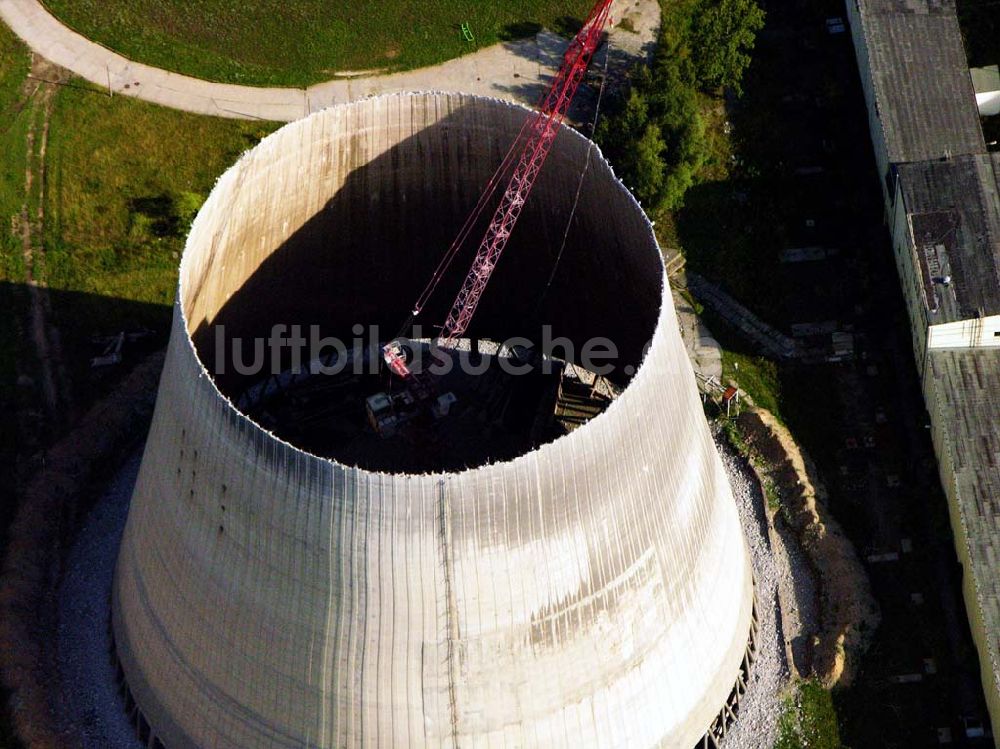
(809, 720)
(162, 216)
(186, 207)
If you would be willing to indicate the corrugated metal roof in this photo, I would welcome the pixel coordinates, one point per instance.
(923, 90)
(955, 216)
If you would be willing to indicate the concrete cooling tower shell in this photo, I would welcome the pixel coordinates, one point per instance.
(593, 592)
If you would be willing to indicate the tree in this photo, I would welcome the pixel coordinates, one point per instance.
(723, 33)
(622, 123)
(654, 134)
(656, 137)
(645, 166)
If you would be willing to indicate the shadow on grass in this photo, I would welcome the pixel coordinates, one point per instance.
(8, 737)
(729, 234)
(164, 215)
(520, 30)
(980, 24)
(159, 213)
(568, 26)
(83, 321)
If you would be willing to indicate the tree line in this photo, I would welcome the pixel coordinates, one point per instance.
(654, 134)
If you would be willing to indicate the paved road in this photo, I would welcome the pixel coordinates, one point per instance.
(514, 70)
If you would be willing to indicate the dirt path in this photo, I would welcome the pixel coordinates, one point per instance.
(55, 387)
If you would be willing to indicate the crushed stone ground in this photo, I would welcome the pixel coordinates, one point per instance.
(756, 727)
(91, 703)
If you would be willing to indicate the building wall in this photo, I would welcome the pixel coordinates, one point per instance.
(982, 332)
(595, 592)
(874, 122)
(907, 267)
(945, 405)
(941, 409)
(988, 103)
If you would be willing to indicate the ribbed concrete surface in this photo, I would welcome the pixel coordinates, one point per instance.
(595, 592)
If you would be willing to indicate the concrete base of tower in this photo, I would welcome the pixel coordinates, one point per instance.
(593, 590)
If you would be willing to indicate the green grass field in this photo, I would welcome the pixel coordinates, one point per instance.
(14, 120)
(124, 178)
(269, 42)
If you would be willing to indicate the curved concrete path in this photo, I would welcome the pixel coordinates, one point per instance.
(515, 70)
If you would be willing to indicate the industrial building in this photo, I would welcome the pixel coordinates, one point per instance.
(940, 185)
(590, 587)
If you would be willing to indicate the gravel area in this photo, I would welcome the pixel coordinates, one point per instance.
(90, 702)
(757, 724)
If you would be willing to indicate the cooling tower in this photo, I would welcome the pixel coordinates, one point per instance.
(593, 591)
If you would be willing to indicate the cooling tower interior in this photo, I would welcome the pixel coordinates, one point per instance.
(591, 588)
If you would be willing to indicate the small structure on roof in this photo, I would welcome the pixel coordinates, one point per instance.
(986, 82)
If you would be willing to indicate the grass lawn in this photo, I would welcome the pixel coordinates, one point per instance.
(755, 375)
(14, 120)
(270, 42)
(124, 180)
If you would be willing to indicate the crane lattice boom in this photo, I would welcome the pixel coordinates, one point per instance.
(541, 134)
(536, 140)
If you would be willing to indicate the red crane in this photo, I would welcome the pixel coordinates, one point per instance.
(528, 151)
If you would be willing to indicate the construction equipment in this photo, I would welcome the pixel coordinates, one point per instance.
(112, 353)
(526, 156)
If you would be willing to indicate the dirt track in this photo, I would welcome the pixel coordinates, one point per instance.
(39, 92)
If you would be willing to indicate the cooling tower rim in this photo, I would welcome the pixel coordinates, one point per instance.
(615, 410)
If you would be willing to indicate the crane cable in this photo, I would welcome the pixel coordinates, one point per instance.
(579, 186)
